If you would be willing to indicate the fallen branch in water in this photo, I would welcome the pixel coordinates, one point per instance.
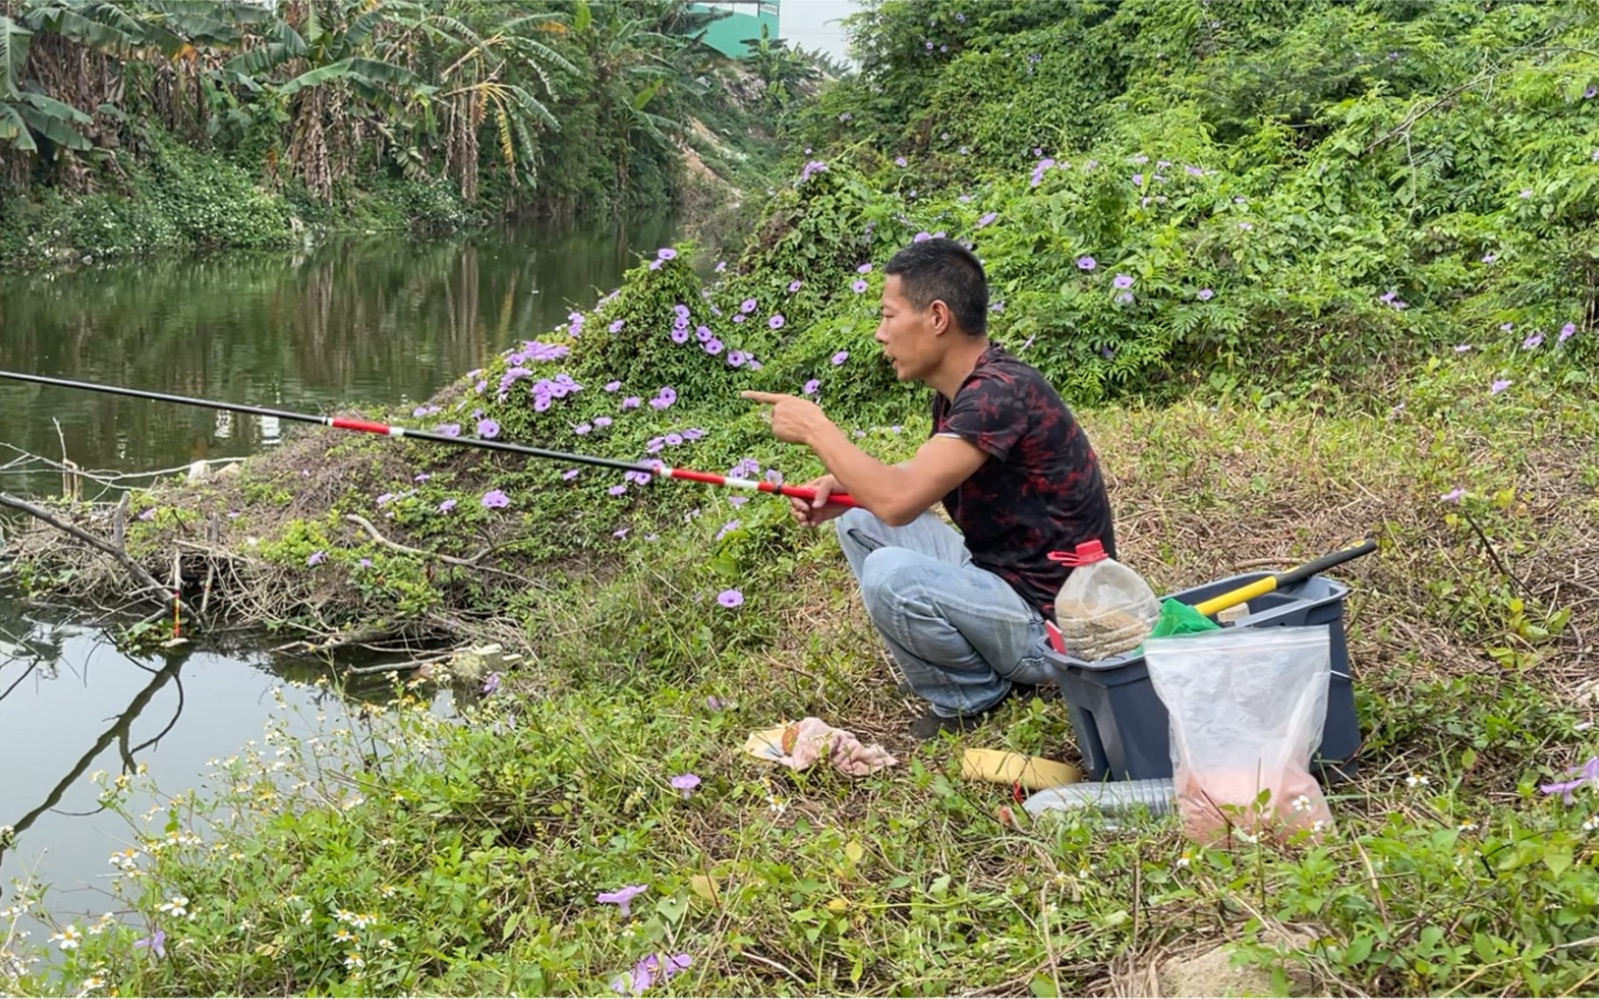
(138, 571)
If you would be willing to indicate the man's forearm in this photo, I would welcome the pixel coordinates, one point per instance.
(878, 487)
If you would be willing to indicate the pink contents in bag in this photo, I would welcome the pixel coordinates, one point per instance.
(1247, 708)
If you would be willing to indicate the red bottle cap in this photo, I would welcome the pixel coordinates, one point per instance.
(1087, 551)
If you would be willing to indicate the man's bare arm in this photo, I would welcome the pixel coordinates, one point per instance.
(897, 494)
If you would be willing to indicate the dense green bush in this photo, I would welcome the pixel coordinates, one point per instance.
(1294, 190)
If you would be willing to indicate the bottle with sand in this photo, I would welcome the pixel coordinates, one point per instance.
(1104, 609)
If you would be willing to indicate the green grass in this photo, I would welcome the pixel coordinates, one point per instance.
(479, 844)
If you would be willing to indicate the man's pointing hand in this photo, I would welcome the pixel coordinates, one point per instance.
(793, 419)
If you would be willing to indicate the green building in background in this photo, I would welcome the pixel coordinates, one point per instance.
(745, 21)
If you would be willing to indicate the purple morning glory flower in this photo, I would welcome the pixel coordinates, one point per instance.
(739, 317)
(365, 563)
(631, 402)
(1453, 496)
(1567, 331)
(776, 322)
(680, 334)
(612, 386)
(859, 285)
(1532, 341)
(795, 285)
(735, 358)
(666, 253)
(1205, 294)
(841, 357)
(685, 783)
(616, 327)
(317, 558)
(1588, 773)
(1122, 281)
(1499, 386)
(581, 429)
(1086, 263)
(672, 440)
(622, 897)
(602, 421)
(712, 346)
(491, 683)
(569, 474)
(617, 489)
(812, 385)
(986, 219)
(864, 269)
(495, 498)
(488, 428)
(693, 434)
(156, 942)
(748, 305)
(447, 506)
(730, 598)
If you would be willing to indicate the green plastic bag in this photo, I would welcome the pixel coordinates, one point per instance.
(1178, 618)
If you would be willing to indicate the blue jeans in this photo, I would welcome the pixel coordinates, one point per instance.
(961, 634)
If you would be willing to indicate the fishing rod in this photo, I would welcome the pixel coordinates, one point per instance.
(388, 430)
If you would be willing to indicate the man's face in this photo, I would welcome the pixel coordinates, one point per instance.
(910, 341)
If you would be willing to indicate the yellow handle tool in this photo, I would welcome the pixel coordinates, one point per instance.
(1233, 598)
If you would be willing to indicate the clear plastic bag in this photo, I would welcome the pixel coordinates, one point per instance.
(1104, 608)
(1247, 709)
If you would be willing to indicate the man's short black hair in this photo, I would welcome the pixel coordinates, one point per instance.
(942, 269)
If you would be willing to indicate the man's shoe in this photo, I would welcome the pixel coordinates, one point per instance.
(904, 689)
(929, 724)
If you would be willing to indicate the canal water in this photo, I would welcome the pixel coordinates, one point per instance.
(354, 320)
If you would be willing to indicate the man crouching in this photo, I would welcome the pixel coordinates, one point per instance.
(962, 612)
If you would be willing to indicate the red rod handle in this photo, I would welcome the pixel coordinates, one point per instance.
(798, 492)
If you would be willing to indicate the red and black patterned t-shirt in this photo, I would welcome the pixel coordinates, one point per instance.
(1040, 490)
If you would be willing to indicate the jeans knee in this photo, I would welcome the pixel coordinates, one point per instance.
(885, 577)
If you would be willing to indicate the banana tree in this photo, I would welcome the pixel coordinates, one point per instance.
(335, 82)
(26, 113)
(632, 66)
(490, 64)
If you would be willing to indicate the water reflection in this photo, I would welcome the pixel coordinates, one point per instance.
(356, 320)
(73, 704)
(360, 320)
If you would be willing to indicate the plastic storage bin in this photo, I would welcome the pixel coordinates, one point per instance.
(1121, 726)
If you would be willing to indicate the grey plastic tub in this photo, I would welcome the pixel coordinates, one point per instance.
(1121, 726)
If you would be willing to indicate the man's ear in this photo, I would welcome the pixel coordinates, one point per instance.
(940, 316)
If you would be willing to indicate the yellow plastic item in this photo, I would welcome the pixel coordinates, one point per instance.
(1001, 766)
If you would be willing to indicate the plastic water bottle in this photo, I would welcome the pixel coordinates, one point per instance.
(1104, 608)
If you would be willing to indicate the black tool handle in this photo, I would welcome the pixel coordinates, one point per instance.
(1326, 562)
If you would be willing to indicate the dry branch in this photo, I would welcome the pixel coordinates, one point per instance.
(150, 583)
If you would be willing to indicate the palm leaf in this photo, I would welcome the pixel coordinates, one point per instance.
(15, 130)
(13, 55)
(52, 119)
(370, 72)
(361, 29)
